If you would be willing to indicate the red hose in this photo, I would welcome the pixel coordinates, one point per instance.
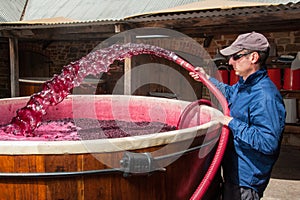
(216, 162)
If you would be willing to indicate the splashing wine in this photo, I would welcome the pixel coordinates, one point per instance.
(55, 90)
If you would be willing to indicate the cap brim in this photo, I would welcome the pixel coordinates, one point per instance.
(228, 51)
(219, 58)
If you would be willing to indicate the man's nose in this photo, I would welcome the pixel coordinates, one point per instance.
(230, 61)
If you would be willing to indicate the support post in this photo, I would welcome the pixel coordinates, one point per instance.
(14, 67)
(127, 67)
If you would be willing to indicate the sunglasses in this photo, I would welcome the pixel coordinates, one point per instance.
(238, 56)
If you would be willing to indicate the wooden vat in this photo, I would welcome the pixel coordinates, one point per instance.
(95, 169)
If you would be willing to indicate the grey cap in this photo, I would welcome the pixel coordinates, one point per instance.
(250, 41)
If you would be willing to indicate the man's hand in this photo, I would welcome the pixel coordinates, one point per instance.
(225, 120)
(215, 115)
(196, 76)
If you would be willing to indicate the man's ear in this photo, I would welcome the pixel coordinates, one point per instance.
(254, 57)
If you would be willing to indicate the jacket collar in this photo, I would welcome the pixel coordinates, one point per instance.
(253, 78)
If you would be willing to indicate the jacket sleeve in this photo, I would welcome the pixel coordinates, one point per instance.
(265, 126)
(226, 90)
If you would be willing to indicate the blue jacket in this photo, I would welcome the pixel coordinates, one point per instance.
(258, 122)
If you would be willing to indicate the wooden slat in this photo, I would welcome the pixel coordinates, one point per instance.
(7, 190)
(35, 188)
(62, 163)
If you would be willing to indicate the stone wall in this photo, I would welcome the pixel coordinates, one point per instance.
(60, 53)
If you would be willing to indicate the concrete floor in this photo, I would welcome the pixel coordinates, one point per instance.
(285, 180)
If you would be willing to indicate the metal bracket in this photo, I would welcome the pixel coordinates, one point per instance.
(138, 164)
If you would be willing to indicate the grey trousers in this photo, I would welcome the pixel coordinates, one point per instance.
(235, 192)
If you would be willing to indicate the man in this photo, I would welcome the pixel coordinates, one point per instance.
(256, 121)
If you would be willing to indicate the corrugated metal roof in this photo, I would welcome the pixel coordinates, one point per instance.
(86, 10)
(36, 14)
(54, 20)
(109, 10)
(11, 10)
(212, 4)
(217, 12)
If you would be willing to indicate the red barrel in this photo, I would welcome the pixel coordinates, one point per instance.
(275, 76)
(224, 75)
(291, 79)
(233, 77)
